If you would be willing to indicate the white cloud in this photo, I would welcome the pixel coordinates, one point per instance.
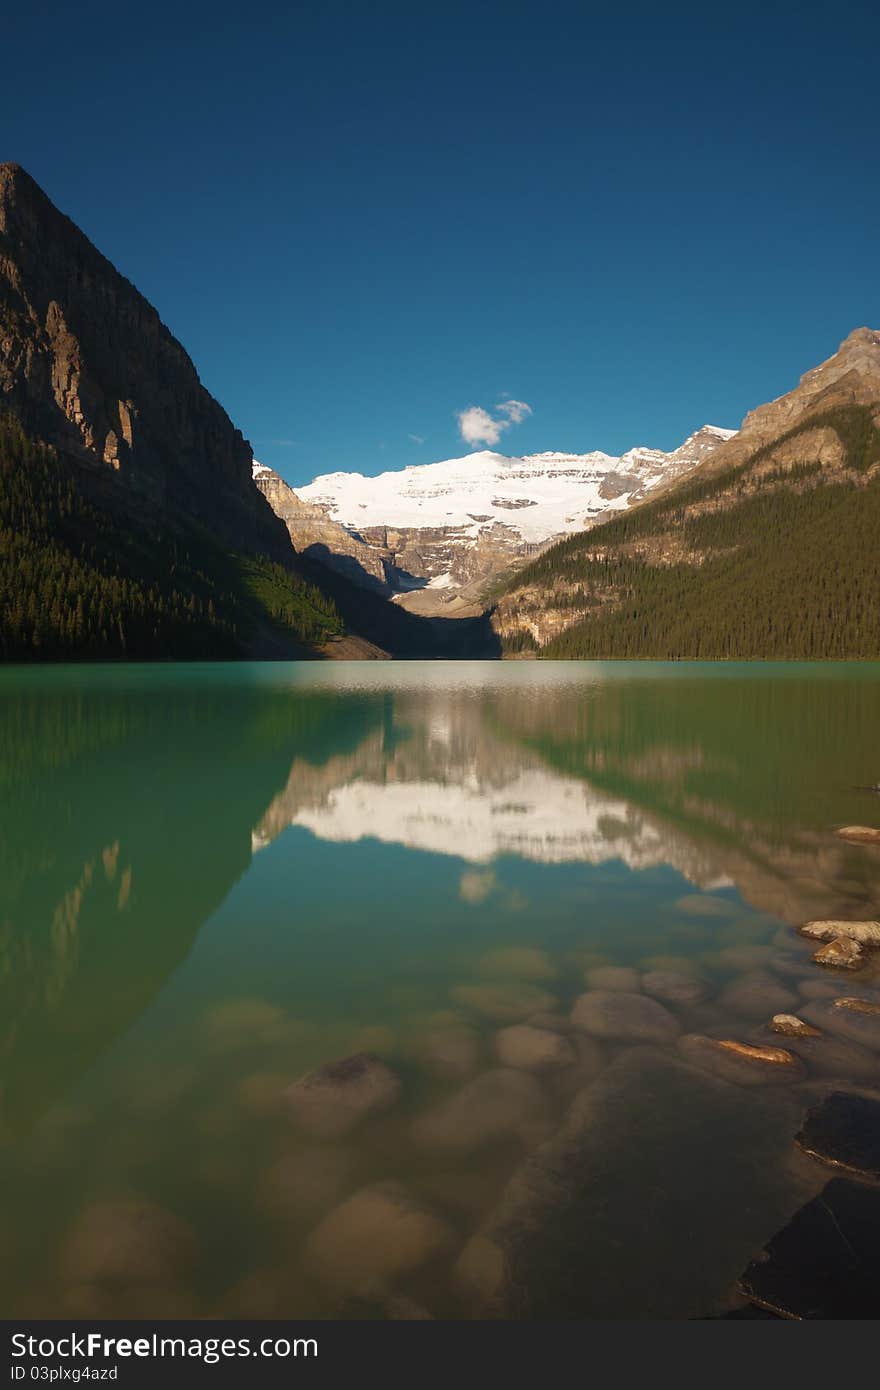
(477, 426)
(416, 438)
(516, 411)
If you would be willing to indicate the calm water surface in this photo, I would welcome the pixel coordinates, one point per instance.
(213, 879)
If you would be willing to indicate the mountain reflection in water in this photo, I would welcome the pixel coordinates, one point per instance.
(215, 878)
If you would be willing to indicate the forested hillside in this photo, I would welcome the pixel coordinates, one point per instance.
(77, 580)
(775, 557)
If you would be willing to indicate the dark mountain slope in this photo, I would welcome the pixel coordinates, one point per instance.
(130, 525)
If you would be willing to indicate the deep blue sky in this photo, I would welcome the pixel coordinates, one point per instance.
(360, 219)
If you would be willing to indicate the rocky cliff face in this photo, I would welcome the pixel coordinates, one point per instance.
(313, 534)
(850, 377)
(87, 366)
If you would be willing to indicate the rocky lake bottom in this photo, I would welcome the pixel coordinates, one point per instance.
(459, 991)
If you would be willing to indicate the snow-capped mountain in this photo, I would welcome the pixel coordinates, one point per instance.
(435, 535)
(539, 495)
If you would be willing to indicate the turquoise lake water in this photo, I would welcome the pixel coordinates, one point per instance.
(217, 878)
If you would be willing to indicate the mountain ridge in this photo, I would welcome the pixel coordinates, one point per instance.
(765, 550)
(434, 536)
(130, 526)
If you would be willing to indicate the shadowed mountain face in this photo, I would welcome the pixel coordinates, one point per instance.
(87, 366)
(125, 818)
(132, 524)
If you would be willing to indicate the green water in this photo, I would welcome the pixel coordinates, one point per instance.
(215, 878)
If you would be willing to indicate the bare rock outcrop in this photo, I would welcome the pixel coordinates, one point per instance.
(88, 366)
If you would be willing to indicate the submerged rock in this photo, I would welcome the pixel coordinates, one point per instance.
(744, 1064)
(859, 834)
(521, 962)
(756, 994)
(830, 1056)
(127, 1242)
(451, 1051)
(858, 1006)
(635, 1208)
(826, 1262)
(830, 929)
(633, 1017)
(497, 1105)
(792, 1027)
(819, 988)
(508, 1002)
(613, 977)
(674, 987)
(381, 1233)
(841, 954)
(334, 1099)
(549, 1018)
(859, 1027)
(533, 1049)
(304, 1183)
(844, 1131)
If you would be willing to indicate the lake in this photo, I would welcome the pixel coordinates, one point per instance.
(216, 879)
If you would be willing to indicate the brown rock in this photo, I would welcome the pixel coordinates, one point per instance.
(841, 954)
(755, 995)
(831, 1056)
(859, 834)
(334, 1099)
(742, 1063)
(304, 1183)
(504, 1003)
(674, 987)
(858, 1006)
(854, 1024)
(127, 1242)
(450, 1051)
(533, 1049)
(631, 1017)
(831, 929)
(620, 977)
(792, 1027)
(381, 1233)
(501, 1104)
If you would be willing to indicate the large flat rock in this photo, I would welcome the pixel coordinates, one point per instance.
(658, 1189)
(844, 1131)
(826, 1262)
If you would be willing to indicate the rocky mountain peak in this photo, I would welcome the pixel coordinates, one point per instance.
(851, 377)
(89, 367)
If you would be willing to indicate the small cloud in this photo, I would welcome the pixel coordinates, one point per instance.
(284, 443)
(516, 411)
(475, 887)
(477, 426)
(416, 438)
